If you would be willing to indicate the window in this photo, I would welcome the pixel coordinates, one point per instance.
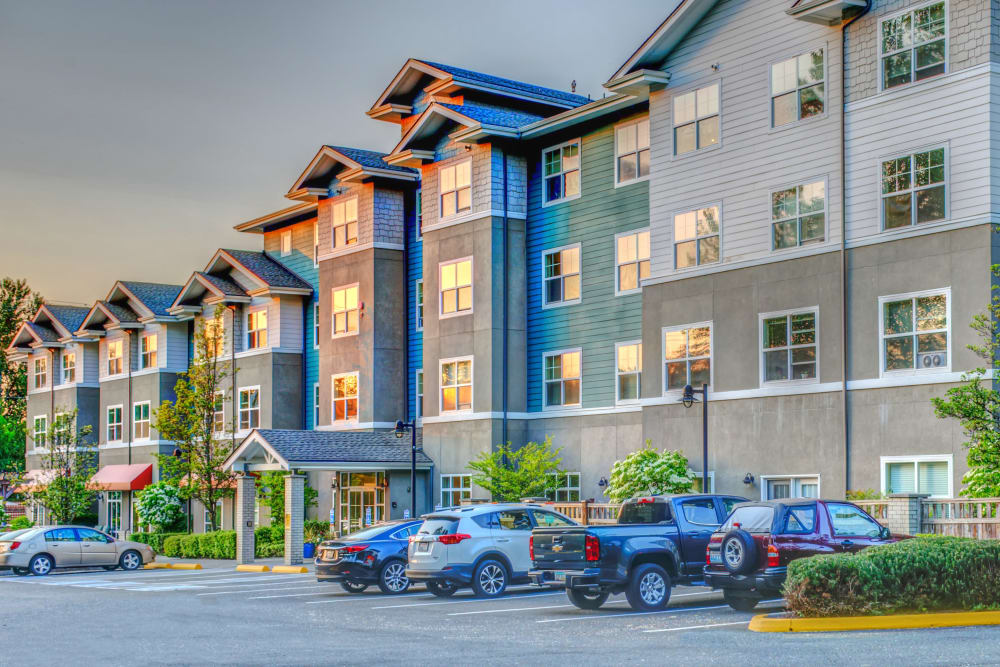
(778, 488)
(256, 329)
(912, 45)
(797, 88)
(218, 413)
(420, 212)
(41, 372)
(456, 287)
(455, 488)
(687, 356)
(628, 371)
(345, 311)
(800, 519)
(69, 367)
(456, 385)
(561, 172)
(114, 357)
(562, 378)
(140, 421)
(789, 347)
(345, 397)
(631, 260)
(915, 332)
(696, 119)
(798, 215)
(286, 243)
(419, 381)
(249, 408)
(215, 337)
(315, 325)
(345, 223)
(913, 189)
(316, 405)
(218, 515)
(89, 535)
(632, 151)
(569, 490)
(40, 432)
(698, 481)
(61, 535)
(701, 511)
(917, 474)
(147, 351)
(456, 188)
(513, 520)
(419, 298)
(562, 275)
(114, 424)
(549, 519)
(849, 521)
(696, 237)
(316, 245)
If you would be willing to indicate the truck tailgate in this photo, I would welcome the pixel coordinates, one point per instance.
(559, 548)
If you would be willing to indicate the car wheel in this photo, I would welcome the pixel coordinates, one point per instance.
(22, 571)
(490, 579)
(392, 579)
(649, 588)
(352, 587)
(130, 560)
(441, 589)
(740, 602)
(586, 600)
(40, 565)
(739, 552)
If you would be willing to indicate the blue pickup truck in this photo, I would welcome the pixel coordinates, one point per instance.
(658, 542)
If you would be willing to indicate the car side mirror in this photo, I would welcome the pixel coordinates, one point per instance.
(109, 539)
(885, 533)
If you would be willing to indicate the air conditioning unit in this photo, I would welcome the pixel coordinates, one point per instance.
(931, 359)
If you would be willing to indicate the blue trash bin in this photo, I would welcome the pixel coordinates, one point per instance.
(308, 550)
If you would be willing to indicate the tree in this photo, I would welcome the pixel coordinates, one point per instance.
(649, 472)
(527, 472)
(271, 493)
(12, 435)
(189, 421)
(67, 466)
(159, 505)
(17, 304)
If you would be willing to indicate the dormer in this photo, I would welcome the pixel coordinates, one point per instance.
(335, 165)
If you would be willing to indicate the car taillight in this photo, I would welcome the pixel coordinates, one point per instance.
(531, 547)
(646, 501)
(354, 548)
(453, 539)
(772, 556)
(708, 556)
(14, 545)
(413, 538)
(592, 548)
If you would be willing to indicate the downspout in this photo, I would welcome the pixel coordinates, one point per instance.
(52, 388)
(406, 325)
(843, 246)
(305, 365)
(506, 278)
(128, 332)
(232, 370)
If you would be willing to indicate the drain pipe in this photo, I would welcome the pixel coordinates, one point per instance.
(506, 305)
(128, 334)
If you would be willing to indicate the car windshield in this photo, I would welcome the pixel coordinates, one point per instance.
(14, 534)
(753, 519)
(644, 512)
(437, 525)
(369, 533)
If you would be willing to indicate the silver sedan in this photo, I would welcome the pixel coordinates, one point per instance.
(41, 549)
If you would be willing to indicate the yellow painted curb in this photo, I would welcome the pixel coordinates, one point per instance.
(765, 623)
(156, 566)
(290, 569)
(252, 568)
(185, 566)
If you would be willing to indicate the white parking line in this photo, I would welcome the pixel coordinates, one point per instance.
(698, 627)
(258, 590)
(369, 598)
(430, 604)
(630, 613)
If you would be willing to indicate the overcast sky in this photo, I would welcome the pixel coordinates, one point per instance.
(134, 135)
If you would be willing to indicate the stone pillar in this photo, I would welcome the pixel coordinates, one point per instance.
(294, 516)
(246, 491)
(903, 513)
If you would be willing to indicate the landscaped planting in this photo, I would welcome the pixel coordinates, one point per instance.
(269, 542)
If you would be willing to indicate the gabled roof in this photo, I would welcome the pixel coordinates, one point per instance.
(288, 449)
(467, 76)
(157, 297)
(206, 287)
(292, 215)
(438, 116)
(106, 315)
(493, 115)
(263, 268)
(69, 317)
(30, 334)
(225, 286)
(652, 52)
(347, 164)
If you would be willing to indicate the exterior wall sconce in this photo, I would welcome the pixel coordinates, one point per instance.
(748, 479)
(603, 482)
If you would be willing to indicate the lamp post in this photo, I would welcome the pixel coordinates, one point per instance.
(688, 400)
(399, 432)
(177, 453)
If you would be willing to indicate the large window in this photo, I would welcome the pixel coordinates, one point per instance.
(147, 351)
(561, 275)
(913, 45)
(629, 370)
(631, 260)
(798, 215)
(562, 378)
(140, 421)
(69, 367)
(915, 332)
(249, 408)
(344, 320)
(345, 397)
(114, 432)
(41, 372)
(454, 489)
(561, 172)
(696, 119)
(696, 237)
(419, 301)
(419, 382)
(569, 490)
(687, 356)
(456, 287)
(796, 486)
(345, 223)
(917, 474)
(632, 151)
(456, 385)
(39, 434)
(789, 347)
(913, 189)
(114, 357)
(797, 89)
(456, 188)
(257, 329)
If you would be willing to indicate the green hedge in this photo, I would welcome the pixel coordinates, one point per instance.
(219, 544)
(154, 540)
(922, 574)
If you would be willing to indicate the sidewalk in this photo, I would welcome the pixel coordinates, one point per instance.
(214, 564)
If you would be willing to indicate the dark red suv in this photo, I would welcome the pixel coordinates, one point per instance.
(748, 556)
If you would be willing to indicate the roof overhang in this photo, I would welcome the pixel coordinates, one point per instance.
(393, 113)
(255, 454)
(430, 123)
(329, 163)
(310, 195)
(24, 340)
(119, 291)
(101, 316)
(195, 289)
(824, 12)
(596, 109)
(658, 46)
(639, 82)
(285, 216)
(45, 314)
(410, 158)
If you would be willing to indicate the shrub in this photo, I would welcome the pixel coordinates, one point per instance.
(926, 574)
(172, 545)
(224, 545)
(269, 549)
(316, 531)
(154, 540)
(20, 523)
(159, 505)
(189, 546)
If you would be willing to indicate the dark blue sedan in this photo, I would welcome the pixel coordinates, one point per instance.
(375, 555)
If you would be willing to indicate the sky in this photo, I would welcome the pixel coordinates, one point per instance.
(134, 135)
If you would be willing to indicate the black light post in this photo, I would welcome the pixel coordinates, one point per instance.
(688, 400)
(400, 431)
(178, 454)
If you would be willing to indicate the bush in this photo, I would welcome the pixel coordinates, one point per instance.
(269, 549)
(172, 545)
(189, 546)
(926, 574)
(20, 523)
(154, 540)
(316, 531)
(159, 505)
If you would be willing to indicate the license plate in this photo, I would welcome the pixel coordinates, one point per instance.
(559, 576)
(423, 547)
(715, 557)
(330, 554)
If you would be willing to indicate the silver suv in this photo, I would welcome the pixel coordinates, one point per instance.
(482, 546)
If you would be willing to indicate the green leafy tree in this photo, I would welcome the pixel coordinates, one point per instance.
(648, 472)
(159, 505)
(271, 493)
(17, 304)
(68, 465)
(511, 474)
(12, 434)
(189, 421)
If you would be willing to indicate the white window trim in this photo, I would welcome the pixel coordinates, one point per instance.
(222, 411)
(711, 480)
(441, 192)
(333, 227)
(561, 406)
(107, 422)
(451, 488)
(239, 407)
(826, 85)
(717, 81)
(674, 241)
(663, 358)
(472, 385)
(579, 142)
(559, 304)
(419, 303)
(142, 360)
(882, 300)
(880, 73)
(315, 325)
(266, 329)
(472, 272)
(333, 398)
(792, 479)
(638, 179)
(917, 459)
(333, 313)
(34, 431)
(825, 179)
(315, 404)
(760, 346)
(286, 234)
(148, 422)
(614, 252)
(946, 145)
(418, 398)
(35, 373)
(62, 371)
(618, 399)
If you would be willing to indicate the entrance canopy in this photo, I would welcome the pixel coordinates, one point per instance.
(273, 449)
(122, 477)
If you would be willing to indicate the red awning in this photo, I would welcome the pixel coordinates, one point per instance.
(122, 477)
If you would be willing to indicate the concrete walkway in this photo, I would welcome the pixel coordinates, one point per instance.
(215, 564)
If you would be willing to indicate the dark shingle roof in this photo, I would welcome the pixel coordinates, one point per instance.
(370, 159)
(342, 446)
(70, 317)
(225, 285)
(121, 313)
(155, 296)
(493, 116)
(557, 96)
(268, 270)
(47, 334)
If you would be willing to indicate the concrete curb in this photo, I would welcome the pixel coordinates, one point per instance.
(252, 568)
(765, 623)
(290, 569)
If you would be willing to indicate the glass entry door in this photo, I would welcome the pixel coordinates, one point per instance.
(115, 513)
(363, 499)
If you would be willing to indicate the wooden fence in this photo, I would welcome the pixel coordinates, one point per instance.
(589, 513)
(978, 518)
